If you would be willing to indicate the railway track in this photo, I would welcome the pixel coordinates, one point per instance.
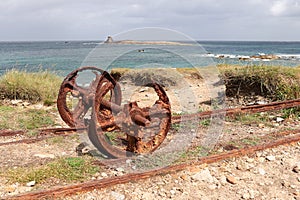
(44, 133)
(293, 137)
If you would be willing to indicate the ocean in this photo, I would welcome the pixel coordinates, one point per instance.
(62, 57)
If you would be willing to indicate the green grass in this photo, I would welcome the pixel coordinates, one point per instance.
(35, 87)
(263, 118)
(291, 112)
(16, 118)
(65, 169)
(205, 122)
(34, 119)
(56, 140)
(250, 119)
(193, 153)
(176, 126)
(248, 141)
(114, 137)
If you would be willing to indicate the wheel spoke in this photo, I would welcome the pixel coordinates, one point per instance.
(84, 94)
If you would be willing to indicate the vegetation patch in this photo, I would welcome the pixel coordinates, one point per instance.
(35, 87)
(251, 119)
(65, 169)
(193, 153)
(114, 137)
(275, 82)
(242, 143)
(291, 113)
(143, 77)
(16, 118)
(266, 118)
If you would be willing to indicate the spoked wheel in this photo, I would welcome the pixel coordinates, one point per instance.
(74, 100)
(141, 130)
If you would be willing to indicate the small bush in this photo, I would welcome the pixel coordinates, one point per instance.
(276, 82)
(31, 86)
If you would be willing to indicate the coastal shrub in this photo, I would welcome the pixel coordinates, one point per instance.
(35, 87)
(276, 82)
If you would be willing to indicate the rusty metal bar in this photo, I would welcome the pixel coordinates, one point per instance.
(26, 141)
(11, 132)
(239, 110)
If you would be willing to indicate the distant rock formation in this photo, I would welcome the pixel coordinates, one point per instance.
(109, 40)
(266, 56)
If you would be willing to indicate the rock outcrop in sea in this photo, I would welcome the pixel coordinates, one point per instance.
(109, 40)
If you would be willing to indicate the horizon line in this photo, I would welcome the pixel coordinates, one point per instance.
(203, 40)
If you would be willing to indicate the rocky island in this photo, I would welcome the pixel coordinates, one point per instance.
(110, 40)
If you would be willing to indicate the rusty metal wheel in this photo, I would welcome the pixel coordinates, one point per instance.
(82, 96)
(141, 130)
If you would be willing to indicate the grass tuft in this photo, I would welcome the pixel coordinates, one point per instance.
(35, 87)
(250, 119)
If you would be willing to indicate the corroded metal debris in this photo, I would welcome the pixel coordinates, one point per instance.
(144, 128)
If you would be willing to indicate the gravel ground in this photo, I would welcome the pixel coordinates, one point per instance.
(268, 174)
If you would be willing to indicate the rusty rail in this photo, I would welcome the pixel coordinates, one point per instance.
(240, 110)
(43, 134)
(108, 182)
(11, 132)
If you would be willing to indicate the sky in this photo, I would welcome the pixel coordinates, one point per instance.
(267, 20)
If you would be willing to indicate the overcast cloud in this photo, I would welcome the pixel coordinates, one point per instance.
(200, 19)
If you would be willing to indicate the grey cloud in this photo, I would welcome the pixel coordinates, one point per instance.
(201, 19)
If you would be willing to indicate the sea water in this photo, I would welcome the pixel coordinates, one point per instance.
(62, 57)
